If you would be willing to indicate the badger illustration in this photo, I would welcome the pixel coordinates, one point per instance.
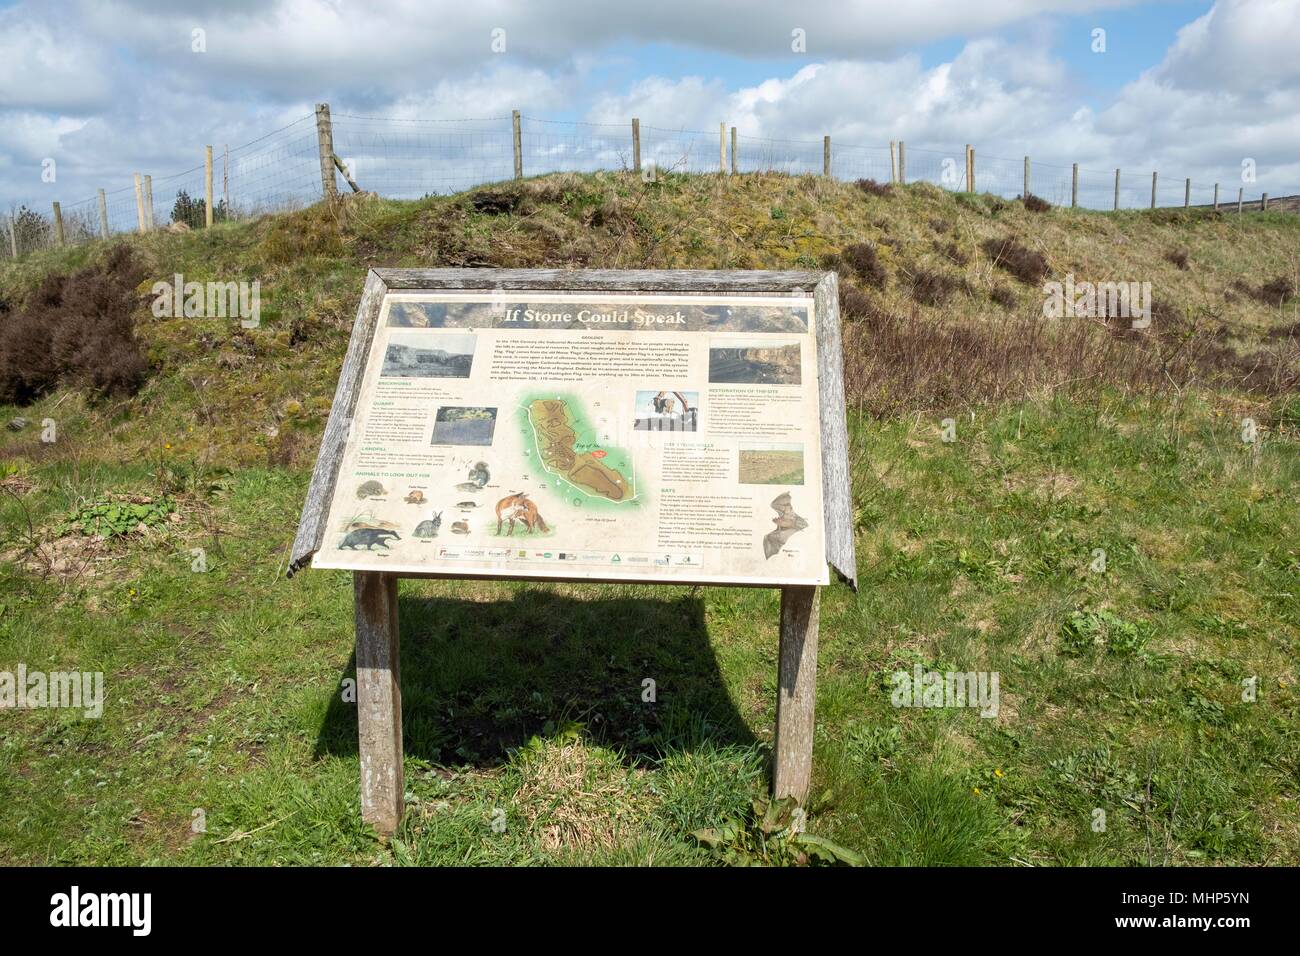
(369, 537)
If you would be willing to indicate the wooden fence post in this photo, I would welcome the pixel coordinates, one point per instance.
(1263, 203)
(139, 202)
(207, 187)
(826, 156)
(516, 122)
(893, 161)
(379, 700)
(343, 171)
(1241, 197)
(103, 215)
(58, 225)
(148, 202)
(734, 167)
(1117, 190)
(796, 693)
(636, 145)
(1187, 193)
(1216, 197)
(1074, 187)
(972, 169)
(902, 163)
(969, 187)
(325, 146)
(13, 237)
(1024, 194)
(1154, 174)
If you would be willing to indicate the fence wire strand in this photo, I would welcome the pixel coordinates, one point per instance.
(413, 157)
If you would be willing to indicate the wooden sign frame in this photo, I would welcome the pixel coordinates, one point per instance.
(379, 717)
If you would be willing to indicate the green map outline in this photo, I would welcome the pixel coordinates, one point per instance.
(617, 459)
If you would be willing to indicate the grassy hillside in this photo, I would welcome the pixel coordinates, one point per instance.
(1122, 686)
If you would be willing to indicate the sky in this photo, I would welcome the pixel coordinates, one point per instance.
(91, 92)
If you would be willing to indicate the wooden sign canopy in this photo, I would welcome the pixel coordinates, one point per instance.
(670, 427)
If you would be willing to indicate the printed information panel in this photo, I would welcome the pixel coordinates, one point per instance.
(586, 436)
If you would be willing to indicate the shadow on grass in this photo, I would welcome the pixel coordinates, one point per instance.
(481, 677)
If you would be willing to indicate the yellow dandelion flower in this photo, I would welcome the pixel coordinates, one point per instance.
(975, 790)
(997, 773)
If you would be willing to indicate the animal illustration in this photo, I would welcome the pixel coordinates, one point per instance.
(367, 519)
(478, 478)
(787, 524)
(467, 504)
(369, 537)
(429, 527)
(370, 489)
(518, 507)
(460, 527)
(416, 497)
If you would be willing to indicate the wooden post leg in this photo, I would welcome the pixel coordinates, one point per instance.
(796, 692)
(379, 701)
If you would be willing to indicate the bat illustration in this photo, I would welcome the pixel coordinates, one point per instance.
(787, 523)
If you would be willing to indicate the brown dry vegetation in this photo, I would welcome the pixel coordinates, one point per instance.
(1025, 264)
(74, 330)
(1037, 204)
(929, 319)
(899, 363)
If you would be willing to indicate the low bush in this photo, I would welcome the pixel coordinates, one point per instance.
(1025, 264)
(75, 330)
(873, 188)
(861, 259)
(930, 287)
(900, 363)
(1004, 296)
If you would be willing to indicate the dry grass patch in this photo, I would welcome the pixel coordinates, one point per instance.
(578, 797)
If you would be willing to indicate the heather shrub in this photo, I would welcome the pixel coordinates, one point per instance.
(1025, 264)
(75, 330)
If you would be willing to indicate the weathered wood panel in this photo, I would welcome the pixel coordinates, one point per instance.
(379, 701)
(796, 693)
(311, 527)
(701, 281)
(837, 493)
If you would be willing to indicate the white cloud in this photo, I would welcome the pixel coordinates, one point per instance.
(288, 42)
(42, 68)
(125, 92)
(1243, 47)
(1012, 98)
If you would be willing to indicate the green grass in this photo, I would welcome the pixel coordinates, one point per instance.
(1121, 690)
(1121, 686)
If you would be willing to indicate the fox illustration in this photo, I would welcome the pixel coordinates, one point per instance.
(518, 507)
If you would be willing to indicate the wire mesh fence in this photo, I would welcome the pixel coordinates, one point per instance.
(409, 158)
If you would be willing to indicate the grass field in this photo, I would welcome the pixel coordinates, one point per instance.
(1124, 559)
(770, 467)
